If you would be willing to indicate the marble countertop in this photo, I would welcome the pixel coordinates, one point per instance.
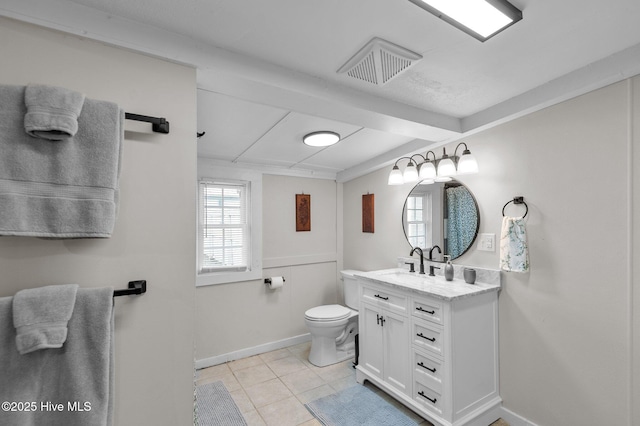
(436, 287)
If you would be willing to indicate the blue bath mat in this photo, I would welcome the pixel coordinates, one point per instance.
(216, 407)
(357, 406)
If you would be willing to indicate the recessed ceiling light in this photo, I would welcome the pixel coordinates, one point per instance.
(481, 19)
(323, 138)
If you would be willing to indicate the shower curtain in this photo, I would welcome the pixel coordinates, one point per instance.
(462, 220)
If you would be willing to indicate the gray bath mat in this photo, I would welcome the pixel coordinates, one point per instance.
(357, 406)
(216, 407)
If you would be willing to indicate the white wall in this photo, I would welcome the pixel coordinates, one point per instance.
(153, 237)
(240, 316)
(566, 328)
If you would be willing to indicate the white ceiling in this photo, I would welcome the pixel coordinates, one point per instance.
(267, 70)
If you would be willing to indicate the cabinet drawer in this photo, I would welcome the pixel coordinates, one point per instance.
(427, 397)
(430, 310)
(385, 299)
(428, 336)
(428, 370)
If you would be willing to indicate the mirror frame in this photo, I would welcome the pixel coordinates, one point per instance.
(477, 230)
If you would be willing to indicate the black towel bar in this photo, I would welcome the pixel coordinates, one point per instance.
(135, 287)
(159, 125)
(517, 200)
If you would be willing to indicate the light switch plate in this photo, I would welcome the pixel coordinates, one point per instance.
(487, 242)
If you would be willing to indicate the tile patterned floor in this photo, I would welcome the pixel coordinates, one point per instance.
(271, 389)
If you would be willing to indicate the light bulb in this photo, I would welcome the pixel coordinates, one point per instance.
(446, 168)
(427, 170)
(467, 163)
(410, 173)
(395, 177)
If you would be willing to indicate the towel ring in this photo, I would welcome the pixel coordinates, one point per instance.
(517, 200)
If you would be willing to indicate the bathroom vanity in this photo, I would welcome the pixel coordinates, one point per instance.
(431, 344)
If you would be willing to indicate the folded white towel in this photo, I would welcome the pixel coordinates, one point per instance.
(52, 112)
(40, 316)
(514, 252)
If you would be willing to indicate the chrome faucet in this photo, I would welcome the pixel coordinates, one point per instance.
(419, 250)
(431, 267)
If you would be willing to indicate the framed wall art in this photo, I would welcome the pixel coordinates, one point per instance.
(303, 212)
(368, 213)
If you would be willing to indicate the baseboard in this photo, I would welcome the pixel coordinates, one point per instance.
(514, 419)
(255, 350)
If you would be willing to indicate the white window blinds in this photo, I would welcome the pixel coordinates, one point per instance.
(418, 211)
(223, 227)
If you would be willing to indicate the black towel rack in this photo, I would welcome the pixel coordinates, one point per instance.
(159, 125)
(517, 200)
(135, 287)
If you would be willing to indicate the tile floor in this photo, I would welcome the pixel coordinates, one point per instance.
(272, 388)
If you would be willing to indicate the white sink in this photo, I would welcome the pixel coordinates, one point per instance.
(407, 277)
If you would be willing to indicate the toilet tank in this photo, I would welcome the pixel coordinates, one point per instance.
(350, 287)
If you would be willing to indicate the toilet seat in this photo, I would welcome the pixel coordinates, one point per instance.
(327, 313)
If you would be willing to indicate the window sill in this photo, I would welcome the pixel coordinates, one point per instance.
(227, 277)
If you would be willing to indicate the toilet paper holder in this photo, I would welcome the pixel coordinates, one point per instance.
(268, 280)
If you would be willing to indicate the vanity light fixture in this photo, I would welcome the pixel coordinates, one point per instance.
(481, 19)
(434, 170)
(321, 138)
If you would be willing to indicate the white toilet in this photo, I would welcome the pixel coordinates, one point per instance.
(333, 327)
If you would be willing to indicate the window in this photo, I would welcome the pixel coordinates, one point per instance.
(229, 226)
(224, 227)
(418, 220)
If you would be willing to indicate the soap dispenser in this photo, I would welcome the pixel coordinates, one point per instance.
(448, 268)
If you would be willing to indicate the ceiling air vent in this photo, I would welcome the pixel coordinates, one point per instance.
(379, 61)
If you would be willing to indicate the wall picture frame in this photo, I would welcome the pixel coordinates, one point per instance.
(303, 212)
(368, 216)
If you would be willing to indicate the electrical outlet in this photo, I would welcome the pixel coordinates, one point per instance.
(487, 242)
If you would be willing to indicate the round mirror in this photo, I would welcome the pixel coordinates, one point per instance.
(445, 214)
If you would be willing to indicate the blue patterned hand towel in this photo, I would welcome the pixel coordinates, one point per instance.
(514, 252)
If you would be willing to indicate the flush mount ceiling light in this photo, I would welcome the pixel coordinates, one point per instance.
(323, 138)
(434, 170)
(481, 19)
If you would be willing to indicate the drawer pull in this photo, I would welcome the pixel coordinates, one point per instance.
(425, 396)
(433, 370)
(421, 309)
(380, 297)
(431, 339)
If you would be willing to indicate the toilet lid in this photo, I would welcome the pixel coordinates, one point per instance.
(327, 313)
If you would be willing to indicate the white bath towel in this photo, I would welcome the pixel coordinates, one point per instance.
(514, 252)
(67, 386)
(40, 316)
(52, 112)
(64, 189)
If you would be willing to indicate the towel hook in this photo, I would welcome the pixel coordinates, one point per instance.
(517, 200)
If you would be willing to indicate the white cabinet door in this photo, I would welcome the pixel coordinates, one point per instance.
(371, 340)
(396, 351)
(384, 349)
